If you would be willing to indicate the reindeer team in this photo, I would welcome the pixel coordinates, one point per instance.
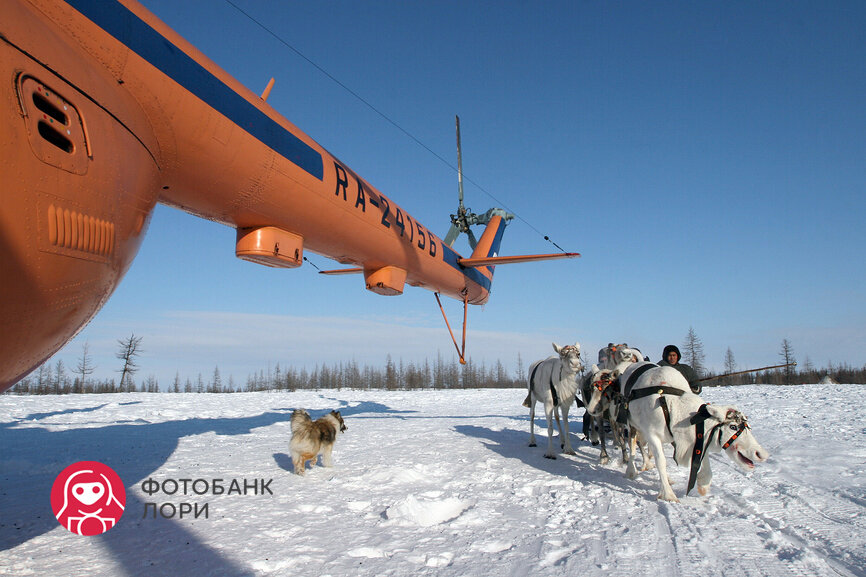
(646, 407)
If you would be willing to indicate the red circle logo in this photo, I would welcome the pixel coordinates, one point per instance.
(88, 498)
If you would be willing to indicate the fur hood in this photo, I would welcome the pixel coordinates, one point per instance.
(668, 349)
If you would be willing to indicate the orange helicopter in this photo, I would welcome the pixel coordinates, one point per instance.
(107, 111)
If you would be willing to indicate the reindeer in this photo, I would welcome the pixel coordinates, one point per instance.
(663, 408)
(600, 397)
(553, 381)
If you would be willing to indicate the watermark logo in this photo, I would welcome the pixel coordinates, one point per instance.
(88, 498)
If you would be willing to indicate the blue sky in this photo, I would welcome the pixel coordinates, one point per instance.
(707, 159)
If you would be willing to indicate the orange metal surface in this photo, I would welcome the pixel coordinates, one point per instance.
(387, 281)
(71, 220)
(495, 260)
(94, 132)
(270, 246)
(106, 111)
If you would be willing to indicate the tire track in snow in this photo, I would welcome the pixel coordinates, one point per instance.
(589, 551)
(630, 548)
(687, 539)
(833, 537)
(829, 535)
(695, 543)
(703, 546)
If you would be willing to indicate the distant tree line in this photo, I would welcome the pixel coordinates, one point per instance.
(57, 379)
(791, 373)
(440, 374)
(839, 373)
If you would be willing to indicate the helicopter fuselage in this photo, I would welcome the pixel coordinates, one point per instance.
(107, 111)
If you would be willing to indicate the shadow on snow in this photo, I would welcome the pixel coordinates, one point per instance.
(582, 467)
(32, 458)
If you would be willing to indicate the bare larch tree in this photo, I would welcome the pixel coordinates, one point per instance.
(130, 348)
(85, 367)
(787, 354)
(693, 351)
(730, 367)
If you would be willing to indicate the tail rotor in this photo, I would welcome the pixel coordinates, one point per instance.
(465, 218)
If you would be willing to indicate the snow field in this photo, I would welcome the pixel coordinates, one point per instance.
(430, 483)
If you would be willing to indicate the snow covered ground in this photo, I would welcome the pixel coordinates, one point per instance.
(429, 483)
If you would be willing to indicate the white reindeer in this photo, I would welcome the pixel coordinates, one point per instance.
(596, 390)
(553, 381)
(599, 392)
(662, 407)
(602, 401)
(613, 355)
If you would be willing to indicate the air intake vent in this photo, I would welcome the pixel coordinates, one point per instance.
(75, 231)
(42, 103)
(55, 137)
(55, 127)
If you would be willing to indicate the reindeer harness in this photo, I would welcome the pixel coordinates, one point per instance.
(701, 444)
(629, 395)
(607, 387)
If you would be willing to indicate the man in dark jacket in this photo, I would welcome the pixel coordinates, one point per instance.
(671, 358)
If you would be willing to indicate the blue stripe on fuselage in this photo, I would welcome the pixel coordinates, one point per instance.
(497, 240)
(154, 48)
(494, 246)
(139, 37)
(470, 272)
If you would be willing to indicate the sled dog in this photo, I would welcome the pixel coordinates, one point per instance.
(313, 438)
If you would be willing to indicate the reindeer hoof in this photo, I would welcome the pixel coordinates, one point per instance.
(570, 452)
(532, 445)
(595, 443)
(670, 498)
(550, 457)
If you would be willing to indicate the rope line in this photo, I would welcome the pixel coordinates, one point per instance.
(389, 120)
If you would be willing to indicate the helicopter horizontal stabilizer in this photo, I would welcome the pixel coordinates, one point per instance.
(497, 260)
(357, 270)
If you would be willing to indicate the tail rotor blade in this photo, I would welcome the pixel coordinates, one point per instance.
(452, 235)
(472, 240)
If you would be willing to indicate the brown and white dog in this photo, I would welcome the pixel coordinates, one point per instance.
(313, 438)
